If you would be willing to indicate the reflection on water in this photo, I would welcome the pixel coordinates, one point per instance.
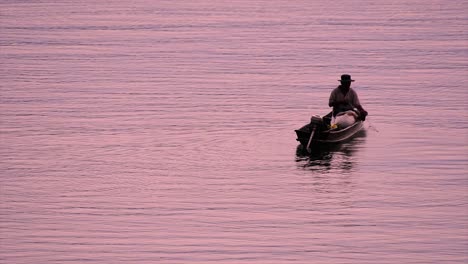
(331, 157)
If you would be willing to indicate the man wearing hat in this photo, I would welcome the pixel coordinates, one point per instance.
(344, 98)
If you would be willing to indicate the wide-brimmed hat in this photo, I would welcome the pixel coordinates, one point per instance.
(346, 78)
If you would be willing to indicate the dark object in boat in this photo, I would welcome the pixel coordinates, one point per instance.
(323, 133)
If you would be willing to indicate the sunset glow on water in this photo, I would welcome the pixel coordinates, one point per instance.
(163, 132)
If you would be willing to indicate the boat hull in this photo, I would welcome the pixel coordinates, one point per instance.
(328, 135)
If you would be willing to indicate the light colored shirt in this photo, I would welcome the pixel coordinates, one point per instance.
(343, 102)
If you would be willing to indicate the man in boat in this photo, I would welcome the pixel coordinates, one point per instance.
(343, 98)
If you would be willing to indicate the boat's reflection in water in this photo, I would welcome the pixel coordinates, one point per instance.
(338, 157)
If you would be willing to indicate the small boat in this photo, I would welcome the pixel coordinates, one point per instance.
(319, 130)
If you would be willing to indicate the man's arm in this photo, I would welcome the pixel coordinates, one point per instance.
(358, 106)
(331, 101)
(363, 113)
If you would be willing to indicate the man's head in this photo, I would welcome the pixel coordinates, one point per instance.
(346, 80)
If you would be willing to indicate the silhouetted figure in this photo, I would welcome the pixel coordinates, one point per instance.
(343, 98)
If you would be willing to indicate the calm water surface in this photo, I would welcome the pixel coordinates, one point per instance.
(163, 132)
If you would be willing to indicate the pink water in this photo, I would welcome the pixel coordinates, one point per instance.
(163, 132)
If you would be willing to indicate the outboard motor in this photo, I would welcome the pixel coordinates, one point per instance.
(316, 120)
